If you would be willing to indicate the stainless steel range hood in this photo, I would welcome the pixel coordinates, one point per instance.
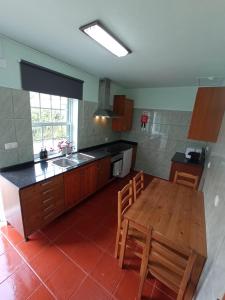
(103, 109)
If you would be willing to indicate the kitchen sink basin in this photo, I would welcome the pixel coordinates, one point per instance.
(72, 160)
(64, 162)
(80, 157)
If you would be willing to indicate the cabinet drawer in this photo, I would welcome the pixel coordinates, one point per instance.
(50, 183)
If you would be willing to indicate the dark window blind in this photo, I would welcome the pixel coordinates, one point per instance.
(36, 78)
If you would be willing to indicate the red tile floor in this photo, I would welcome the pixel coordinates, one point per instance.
(72, 258)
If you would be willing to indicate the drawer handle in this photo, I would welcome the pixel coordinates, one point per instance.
(48, 208)
(47, 200)
(47, 191)
(46, 183)
(48, 216)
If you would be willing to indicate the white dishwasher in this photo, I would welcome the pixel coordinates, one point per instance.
(126, 165)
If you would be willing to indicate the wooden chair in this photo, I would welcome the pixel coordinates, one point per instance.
(168, 262)
(138, 184)
(186, 179)
(125, 200)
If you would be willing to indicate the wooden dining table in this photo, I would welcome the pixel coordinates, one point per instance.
(177, 212)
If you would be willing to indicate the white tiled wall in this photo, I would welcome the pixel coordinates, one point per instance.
(15, 126)
(91, 131)
(165, 134)
(212, 284)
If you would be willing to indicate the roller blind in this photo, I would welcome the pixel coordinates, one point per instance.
(40, 79)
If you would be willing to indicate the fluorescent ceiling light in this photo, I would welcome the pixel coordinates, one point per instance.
(96, 31)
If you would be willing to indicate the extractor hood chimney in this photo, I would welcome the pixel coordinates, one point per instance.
(103, 109)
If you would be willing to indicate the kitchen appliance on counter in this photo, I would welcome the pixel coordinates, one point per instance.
(194, 155)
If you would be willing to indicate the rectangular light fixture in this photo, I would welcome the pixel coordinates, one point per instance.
(98, 32)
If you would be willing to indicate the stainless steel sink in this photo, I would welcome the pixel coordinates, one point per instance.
(80, 157)
(72, 160)
(64, 162)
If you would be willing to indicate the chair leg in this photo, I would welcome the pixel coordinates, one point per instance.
(142, 281)
(123, 243)
(117, 242)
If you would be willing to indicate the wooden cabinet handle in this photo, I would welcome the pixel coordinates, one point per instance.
(50, 207)
(47, 200)
(46, 183)
(47, 191)
(48, 215)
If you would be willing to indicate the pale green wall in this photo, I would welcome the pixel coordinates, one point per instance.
(168, 98)
(13, 52)
(172, 98)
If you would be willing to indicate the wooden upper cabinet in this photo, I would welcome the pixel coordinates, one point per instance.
(124, 108)
(207, 115)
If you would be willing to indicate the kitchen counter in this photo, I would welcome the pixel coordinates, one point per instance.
(27, 174)
(180, 158)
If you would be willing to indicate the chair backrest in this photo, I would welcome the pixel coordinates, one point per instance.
(138, 184)
(170, 263)
(186, 179)
(125, 200)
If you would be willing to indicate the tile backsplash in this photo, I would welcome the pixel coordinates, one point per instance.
(92, 131)
(15, 126)
(165, 134)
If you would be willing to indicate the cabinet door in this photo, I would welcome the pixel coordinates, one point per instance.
(88, 180)
(128, 116)
(207, 114)
(103, 172)
(193, 169)
(72, 186)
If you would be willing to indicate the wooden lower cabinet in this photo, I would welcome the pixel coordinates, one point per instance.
(31, 208)
(84, 181)
(41, 203)
(194, 169)
(103, 171)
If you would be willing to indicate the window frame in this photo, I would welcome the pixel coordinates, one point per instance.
(68, 123)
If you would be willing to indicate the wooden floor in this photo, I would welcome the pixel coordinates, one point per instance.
(73, 257)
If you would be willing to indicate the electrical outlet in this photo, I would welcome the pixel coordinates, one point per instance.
(12, 145)
(106, 139)
(216, 200)
(209, 165)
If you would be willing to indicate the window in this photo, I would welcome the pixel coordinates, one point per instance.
(54, 119)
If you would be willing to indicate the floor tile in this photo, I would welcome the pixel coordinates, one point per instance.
(108, 273)
(66, 280)
(82, 251)
(104, 237)
(9, 262)
(41, 293)
(60, 225)
(85, 226)
(90, 290)
(11, 234)
(4, 244)
(31, 248)
(20, 285)
(47, 261)
(129, 286)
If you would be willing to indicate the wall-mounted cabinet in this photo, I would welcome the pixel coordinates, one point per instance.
(208, 113)
(124, 108)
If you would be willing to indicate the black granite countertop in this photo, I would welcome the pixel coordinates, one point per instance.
(30, 173)
(180, 158)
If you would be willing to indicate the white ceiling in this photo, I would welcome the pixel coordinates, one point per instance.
(172, 41)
